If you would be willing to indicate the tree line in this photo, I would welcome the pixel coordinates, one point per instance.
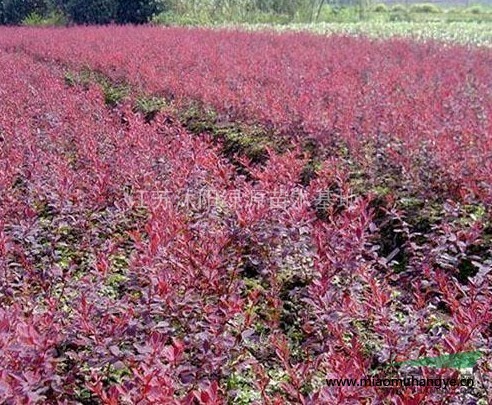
(81, 11)
(141, 11)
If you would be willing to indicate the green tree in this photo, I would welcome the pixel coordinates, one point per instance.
(107, 11)
(91, 11)
(137, 11)
(14, 11)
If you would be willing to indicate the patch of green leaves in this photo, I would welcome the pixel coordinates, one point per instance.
(456, 360)
(149, 107)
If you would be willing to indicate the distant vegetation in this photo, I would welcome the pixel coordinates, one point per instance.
(212, 12)
(458, 32)
(204, 12)
(58, 12)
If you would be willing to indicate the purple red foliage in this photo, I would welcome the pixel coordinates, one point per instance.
(120, 284)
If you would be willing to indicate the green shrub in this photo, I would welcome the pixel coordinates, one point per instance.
(454, 10)
(114, 94)
(340, 14)
(268, 18)
(427, 8)
(55, 18)
(399, 13)
(475, 10)
(398, 8)
(170, 18)
(380, 8)
(400, 17)
(33, 19)
(149, 107)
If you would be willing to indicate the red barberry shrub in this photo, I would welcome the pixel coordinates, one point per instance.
(147, 260)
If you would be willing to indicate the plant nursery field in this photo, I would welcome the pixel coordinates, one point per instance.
(217, 216)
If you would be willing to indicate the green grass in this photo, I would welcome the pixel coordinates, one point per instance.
(472, 33)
